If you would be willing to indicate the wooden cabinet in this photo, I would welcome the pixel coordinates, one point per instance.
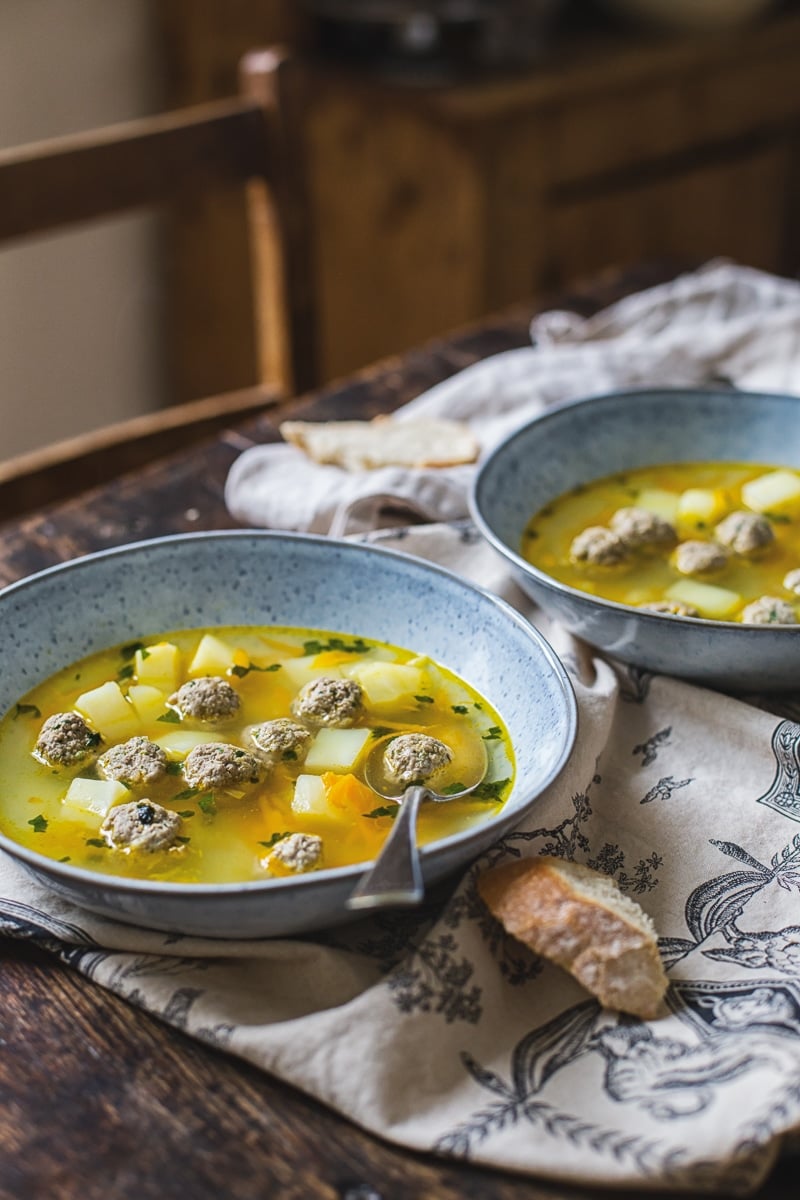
(431, 205)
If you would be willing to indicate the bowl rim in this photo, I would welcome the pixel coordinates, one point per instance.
(122, 886)
(549, 582)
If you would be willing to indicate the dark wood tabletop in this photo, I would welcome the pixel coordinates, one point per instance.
(101, 1100)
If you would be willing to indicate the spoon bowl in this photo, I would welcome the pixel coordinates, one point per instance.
(396, 875)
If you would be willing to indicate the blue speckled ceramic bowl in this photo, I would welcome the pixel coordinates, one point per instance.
(597, 436)
(57, 616)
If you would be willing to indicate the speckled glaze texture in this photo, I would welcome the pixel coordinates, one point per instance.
(57, 616)
(600, 435)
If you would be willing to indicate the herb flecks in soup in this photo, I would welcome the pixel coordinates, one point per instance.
(706, 539)
(237, 754)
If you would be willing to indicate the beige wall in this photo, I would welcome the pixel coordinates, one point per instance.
(79, 312)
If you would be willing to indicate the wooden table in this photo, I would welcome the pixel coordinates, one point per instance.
(100, 1100)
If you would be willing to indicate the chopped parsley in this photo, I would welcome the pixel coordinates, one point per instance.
(66, 858)
(173, 768)
(93, 740)
(358, 646)
(186, 813)
(126, 672)
(240, 672)
(101, 845)
(289, 756)
(493, 733)
(129, 651)
(424, 699)
(170, 718)
(491, 790)
(186, 793)
(380, 731)
(453, 789)
(38, 823)
(459, 708)
(208, 805)
(183, 840)
(23, 710)
(386, 810)
(778, 518)
(276, 837)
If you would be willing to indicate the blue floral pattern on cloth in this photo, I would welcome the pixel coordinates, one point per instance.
(440, 1032)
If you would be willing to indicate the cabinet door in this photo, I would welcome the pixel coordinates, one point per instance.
(735, 208)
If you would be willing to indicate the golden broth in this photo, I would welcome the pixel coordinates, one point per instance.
(227, 836)
(646, 577)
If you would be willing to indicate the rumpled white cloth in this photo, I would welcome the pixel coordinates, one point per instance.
(440, 1033)
(721, 322)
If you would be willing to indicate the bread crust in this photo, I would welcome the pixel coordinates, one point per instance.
(604, 940)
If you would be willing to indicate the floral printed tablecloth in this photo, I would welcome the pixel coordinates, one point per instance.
(439, 1032)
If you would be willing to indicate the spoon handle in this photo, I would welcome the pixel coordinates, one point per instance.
(396, 875)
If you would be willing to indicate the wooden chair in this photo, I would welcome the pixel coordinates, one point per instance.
(245, 142)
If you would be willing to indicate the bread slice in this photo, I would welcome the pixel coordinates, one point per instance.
(580, 919)
(383, 442)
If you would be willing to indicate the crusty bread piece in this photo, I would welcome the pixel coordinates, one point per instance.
(383, 442)
(582, 921)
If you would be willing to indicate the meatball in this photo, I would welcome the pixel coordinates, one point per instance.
(598, 547)
(413, 757)
(641, 529)
(673, 608)
(328, 701)
(136, 761)
(745, 533)
(281, 740)
(141, 825)
(209, 698)
(298, 851)
(218, 765)
(66, 740)
(699, 558)
(769, 610)
(791, 581)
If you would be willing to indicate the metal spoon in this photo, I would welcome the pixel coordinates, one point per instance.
(396, 874)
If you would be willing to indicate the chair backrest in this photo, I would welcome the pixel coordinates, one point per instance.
(246, 141)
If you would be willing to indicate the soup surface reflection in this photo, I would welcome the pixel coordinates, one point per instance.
(715, 540)
(237, 754)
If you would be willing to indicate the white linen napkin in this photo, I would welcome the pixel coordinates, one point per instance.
(723, 321)
(440, 1033)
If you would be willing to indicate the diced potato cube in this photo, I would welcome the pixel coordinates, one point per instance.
(159, 666)
(659, 501)
(213, 656)
(355, 662)
(390, 683)
(379, 654)
(150, 702)
(777, 491)
(95, 796)
(296, 672)
(311, 800)
(176, 745)
(702, 506)
(709, 600)
(336, 749)
(109, 712)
